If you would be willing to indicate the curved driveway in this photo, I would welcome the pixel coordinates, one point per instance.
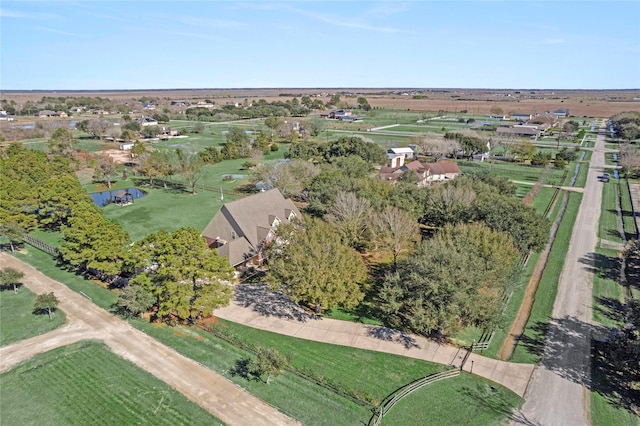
(214, 393)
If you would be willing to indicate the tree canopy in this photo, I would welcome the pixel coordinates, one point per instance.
(92, 242)
(184, 275)
(456, 279)
(313, 266)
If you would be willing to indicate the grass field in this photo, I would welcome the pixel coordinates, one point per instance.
(368, 374)
(478, 402)
(18, 322)
(513, 171)
(603, 413)
(296, 396)
(527, 350)
(608, 228)
(172, 208)
(44, 263)
(86, 384)
(608, 293)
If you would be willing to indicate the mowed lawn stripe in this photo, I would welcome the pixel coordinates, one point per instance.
(84, 384)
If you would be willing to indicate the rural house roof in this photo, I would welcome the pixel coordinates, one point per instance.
(241, 227)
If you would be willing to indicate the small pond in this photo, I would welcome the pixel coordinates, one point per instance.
(119, 196)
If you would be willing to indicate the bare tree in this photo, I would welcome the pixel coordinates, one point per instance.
(396, 229)
(291, 177)
(190, 166)
(504, 140)
(630, 159)
(106, 168)
(351, 216)
(98, 127)
(114, 133)
(436, 145)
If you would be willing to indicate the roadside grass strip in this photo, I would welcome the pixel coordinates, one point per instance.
(627, 211)
(608, 292)
(604, 413)
(527, 348)
(609, 393)
(608, 225)
(17, 320)
(478, 402)
(84, 384)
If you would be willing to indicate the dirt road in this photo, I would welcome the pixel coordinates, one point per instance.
(558, 394)
(219, 396)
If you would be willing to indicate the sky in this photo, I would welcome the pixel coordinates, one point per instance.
(107, 45)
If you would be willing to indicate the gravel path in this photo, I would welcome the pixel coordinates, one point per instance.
(558, 393)
(214, 393)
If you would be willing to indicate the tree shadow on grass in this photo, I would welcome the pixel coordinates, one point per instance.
(258, 297)
(606, 267)
(391, 335)
(610, 308)
(581, 352)
(487, 398)
(11, 287)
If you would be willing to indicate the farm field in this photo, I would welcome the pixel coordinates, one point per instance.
(85, 383)
(18, 320)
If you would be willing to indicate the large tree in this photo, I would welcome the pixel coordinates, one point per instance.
(396, 230)
(456, 279)
(92, 242)
(351, 216)
(435, 145)
(61, 143)
(58, 198)
(529, 230)
(105, 169)
(190, 166)
(135, 299)
(185, 276)
(312, 265)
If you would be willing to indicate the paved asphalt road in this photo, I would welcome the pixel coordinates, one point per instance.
(558, 393)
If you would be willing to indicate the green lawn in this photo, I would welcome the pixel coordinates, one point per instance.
(608, 225)
(604, 413)
(513, 171)
(44, 263)
(527, 350)
(365, 374)
(370, 375)
(172, 208)
(166, 209)
(18, 322)
(87, 384)
(478, 402)
(627, 210)
(607, 290)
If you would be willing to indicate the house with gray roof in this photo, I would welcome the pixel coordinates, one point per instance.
(242, 228)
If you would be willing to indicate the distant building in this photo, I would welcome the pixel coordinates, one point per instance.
(561, 113)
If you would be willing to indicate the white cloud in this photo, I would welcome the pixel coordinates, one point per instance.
(4, 13)
(56, 31)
